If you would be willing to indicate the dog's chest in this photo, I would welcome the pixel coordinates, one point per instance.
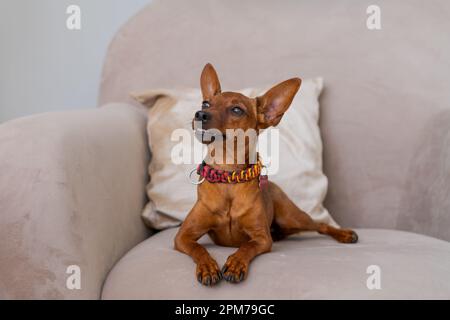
(228, 208)
(228, 229)
(227, 202)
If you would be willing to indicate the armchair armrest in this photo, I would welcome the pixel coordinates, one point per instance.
(72, 187)
(425, 207)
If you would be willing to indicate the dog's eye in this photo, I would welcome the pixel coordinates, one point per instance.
(237, 111)
(205, 105)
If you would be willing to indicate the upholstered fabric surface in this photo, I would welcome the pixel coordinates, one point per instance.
(308, 266)
(385, 106)
(293, 159)
(72, 186)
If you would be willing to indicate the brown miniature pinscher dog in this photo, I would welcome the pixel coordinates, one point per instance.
(242, 214)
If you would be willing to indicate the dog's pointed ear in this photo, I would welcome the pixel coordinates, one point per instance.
(209, 82)
(274, 103)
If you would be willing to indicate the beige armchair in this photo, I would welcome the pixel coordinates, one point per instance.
(72, 184)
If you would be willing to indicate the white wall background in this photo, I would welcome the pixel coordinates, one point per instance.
(46, 67)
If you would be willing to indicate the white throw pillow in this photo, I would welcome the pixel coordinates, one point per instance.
(300, 148)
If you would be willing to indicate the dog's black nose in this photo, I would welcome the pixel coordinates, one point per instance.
(202, 116)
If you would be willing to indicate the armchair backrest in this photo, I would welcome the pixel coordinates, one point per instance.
(386, 90)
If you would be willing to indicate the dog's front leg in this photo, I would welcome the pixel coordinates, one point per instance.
(236, 268)
(197, 223)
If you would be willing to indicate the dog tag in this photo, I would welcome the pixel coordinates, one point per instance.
(263, 181)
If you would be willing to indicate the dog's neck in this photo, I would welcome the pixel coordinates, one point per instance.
(229, 160)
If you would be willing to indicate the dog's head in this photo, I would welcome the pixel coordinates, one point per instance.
(231, 110)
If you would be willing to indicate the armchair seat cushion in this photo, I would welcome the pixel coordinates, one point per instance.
(307, 266)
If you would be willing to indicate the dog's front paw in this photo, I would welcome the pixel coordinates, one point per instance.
(347, 236)
(235, 269)
(208, 272)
